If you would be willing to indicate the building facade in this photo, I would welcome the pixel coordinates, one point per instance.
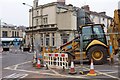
(55, 23)
(9, 33)
(52, 24)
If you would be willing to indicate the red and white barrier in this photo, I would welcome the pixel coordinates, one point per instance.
(56, 60)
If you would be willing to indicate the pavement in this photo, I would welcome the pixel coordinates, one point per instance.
(0, 49)
(18, 64)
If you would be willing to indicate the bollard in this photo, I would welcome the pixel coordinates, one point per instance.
(34, 59)
(111, 53)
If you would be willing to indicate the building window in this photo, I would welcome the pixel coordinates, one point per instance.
(4, 34)
(37, 13)
(103, 19)
(41, 35)
(52, 34)
(47, 41)
(47, 35)
(64, 40)
(53, 41)
(36, 4)
(45, 20)
(52, 25)
(17, 34)
(41, 41)
(12, 33)
(36, 21)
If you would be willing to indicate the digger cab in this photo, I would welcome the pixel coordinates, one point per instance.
(94, 42)
(93, 32)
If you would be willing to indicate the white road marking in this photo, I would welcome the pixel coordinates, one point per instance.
(104, 74)
(24, 63)
(16, 75)
(25, 75)
(16, 65)
(1, 57)
(51, 74)
(37, 72)
(9, 76)
(116, 66)
(54, 71)
(112, 72)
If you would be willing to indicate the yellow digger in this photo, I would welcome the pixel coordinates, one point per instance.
(95, 44)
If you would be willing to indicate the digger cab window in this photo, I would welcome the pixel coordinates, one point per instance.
(86, 35)
(98, 32)
(86, 32)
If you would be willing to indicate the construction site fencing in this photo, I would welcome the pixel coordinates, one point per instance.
(56, 60)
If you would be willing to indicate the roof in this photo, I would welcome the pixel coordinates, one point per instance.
(96, 13)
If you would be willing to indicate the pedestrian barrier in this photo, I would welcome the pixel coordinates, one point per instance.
(56, 60)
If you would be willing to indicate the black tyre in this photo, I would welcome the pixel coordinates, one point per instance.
(98, 54)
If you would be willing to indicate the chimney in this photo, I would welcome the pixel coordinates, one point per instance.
(35, 3)
(62, 2)
(102, 13)
(86, 7)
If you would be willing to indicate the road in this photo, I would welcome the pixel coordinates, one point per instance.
(17, 64)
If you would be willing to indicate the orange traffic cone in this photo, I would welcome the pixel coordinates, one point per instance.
(38, 64)
(72, 69)
(92, 72)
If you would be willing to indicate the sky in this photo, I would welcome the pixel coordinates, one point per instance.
(14, 12)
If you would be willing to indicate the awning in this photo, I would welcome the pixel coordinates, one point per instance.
(11, 39)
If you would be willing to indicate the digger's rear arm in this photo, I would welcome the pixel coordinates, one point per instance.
(114, 32)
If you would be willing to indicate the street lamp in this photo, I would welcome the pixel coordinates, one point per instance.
(32, 25)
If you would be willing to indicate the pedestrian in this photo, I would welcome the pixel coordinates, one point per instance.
(29, 46)
(20, 46)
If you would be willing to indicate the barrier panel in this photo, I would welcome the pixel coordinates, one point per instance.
(26, 49)
(6, 49)
(56, 60)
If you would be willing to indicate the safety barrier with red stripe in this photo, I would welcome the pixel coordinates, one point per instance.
(56, 60)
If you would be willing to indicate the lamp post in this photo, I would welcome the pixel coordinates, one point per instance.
(32, 25)
(0, 33)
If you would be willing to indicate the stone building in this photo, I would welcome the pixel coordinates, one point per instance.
(52, 24)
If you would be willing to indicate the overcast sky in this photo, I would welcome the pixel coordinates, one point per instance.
(14, 12)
